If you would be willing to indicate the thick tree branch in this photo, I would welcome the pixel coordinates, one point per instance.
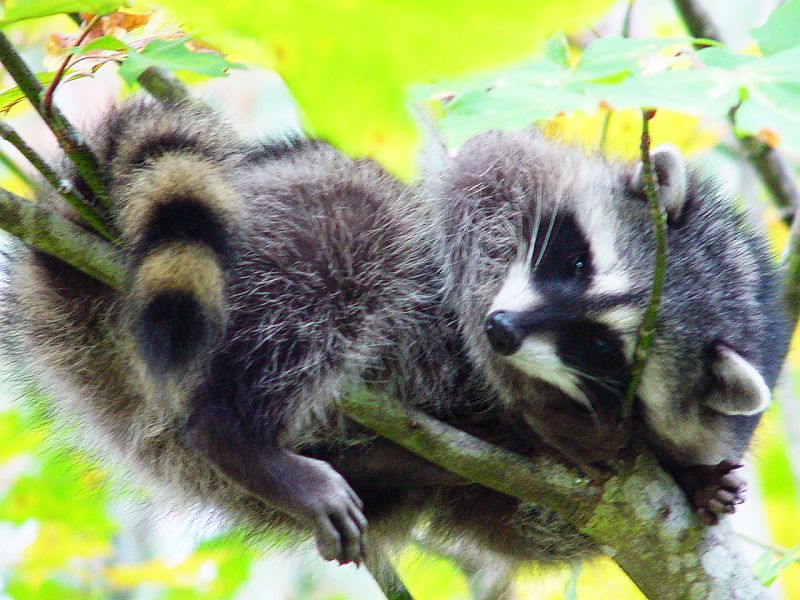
(638, 515)
(61, 238)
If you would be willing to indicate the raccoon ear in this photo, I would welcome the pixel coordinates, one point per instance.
(738, 388)
(670, 170)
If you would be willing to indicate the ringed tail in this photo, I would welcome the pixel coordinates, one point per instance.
(178, 215)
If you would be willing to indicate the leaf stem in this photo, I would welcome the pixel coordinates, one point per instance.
(47, 99)
(659, 221)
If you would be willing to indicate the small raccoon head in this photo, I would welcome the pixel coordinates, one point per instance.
(548, 257)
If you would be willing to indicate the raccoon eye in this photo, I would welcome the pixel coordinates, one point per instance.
(577, 266)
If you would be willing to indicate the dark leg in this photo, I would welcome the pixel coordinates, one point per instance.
(309, 490)
(380, 464)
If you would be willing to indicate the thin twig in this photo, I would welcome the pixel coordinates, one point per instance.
(659, 221)
(61, 185)
(626, 22)
(604, 130)
(791, 270)
(15, 169)
(770, 165)
(70, 139)
(697, 20)
(47, 99)
(163, 85)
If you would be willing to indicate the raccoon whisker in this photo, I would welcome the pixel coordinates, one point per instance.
(534, 233)
(549, 230)
(603, 382)
(545, 242)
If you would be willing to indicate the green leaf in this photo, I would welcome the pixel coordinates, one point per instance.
(14, 95)
(614, 58)
(556, 50)
(705, 92)
(780, 30)
(720, 56)
(17, 10)
(107, 42)
(175, 56)
(767, 570)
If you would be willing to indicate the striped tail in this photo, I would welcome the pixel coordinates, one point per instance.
(179, 215)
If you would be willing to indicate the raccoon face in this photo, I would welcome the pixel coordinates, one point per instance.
(549, 258)
(563, 318)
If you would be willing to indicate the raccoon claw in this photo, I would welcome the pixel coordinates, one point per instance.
(713, 491)
(338, 521)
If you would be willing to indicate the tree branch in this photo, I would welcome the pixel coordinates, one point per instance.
(791, 268)
(638, 515)
(61, 185)
(771, 167)
(697, 20)
(163, 86)
(69, 138)
(61, 238)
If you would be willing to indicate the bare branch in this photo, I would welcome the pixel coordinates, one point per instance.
(61, 238)
(697, 20)
(791, 267)
(774, 172)
(69, 138)
(61, 185)
(639, 515)
(163, 85)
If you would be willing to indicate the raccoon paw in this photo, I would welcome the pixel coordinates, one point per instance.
(713, 490)
(336, 515)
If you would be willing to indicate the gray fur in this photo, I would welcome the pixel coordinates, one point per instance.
(721, 290)
(330, 282)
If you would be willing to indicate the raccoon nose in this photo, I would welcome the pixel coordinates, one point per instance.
(503, 337)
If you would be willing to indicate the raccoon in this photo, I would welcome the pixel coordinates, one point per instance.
(548, 256)
(265, 281)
